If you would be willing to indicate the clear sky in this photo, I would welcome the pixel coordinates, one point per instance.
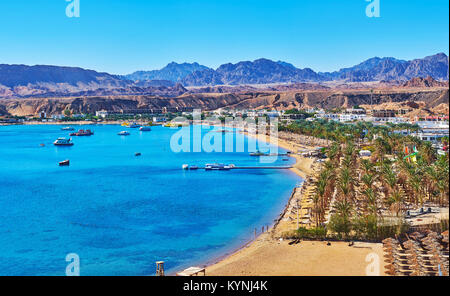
(123, 36)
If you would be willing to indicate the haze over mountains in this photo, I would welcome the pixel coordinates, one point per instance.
(51, 81)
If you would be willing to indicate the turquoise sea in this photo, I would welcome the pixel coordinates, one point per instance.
(121, 213)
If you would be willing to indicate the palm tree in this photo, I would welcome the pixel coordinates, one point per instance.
(427, 152)
(389, 177)
(368, 180)
(395, 201)
(345, 183)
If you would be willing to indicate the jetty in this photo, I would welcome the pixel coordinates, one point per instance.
(188, 167)
(263, 168)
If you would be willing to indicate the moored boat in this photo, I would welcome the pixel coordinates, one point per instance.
(145, 129)
(67, 128)
(217, 167)
(82, 133)
(258, 153)
(63, 142)
(64, 163)
(124, 133)
(134, 125)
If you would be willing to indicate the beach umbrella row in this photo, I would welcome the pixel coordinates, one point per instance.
(420, 255)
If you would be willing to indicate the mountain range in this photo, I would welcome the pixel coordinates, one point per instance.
(50, 81)
(264, 71)
(172, 72)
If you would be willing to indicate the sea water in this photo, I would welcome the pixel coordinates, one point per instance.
(121, 213)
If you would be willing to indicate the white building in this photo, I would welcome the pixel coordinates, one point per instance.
(393, 120)
(58, 117)
(157, 119)
(101, 113)
(351, 117)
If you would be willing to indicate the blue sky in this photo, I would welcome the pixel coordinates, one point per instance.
(123, 36)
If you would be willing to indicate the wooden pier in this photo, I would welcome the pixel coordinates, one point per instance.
(263, 168)
(244, 168)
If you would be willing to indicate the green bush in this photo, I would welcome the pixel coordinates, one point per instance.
(340, 225)
(365, 227)
(305, 233)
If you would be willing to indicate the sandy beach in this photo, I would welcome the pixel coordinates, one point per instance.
(269, 255)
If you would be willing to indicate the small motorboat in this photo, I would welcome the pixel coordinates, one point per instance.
(185, 166)
(63, 142)
(137, 154)
(258, 153)
(124, 133)
(64, 163)
(67, 128)
(145, 129)
(134, 125)
(42, 145)
(218, 167)
(82, 133)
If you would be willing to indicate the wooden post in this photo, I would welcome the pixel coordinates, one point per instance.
(160, 268)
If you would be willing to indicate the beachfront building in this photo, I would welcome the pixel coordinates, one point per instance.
(432, 131)
(102, 114)
(355, 111)
(351, 117)
(159, 119)
(58, 117)
(393, 120)
(273, 114)
(293, 117)
(432, 137)
(329, 116)
(443, 118)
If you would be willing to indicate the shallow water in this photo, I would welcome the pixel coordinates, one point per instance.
(121, 213)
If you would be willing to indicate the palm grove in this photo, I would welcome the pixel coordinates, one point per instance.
(367, 197)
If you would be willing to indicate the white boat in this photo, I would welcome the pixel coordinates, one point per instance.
(145, 129)
(134, 125)
(124, 133)
(67, 128)
(217, 167)
(185, 166)
(63, 142)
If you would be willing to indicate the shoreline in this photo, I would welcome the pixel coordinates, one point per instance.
(281, 144)
(302, 168)
(268, 255)
(304, 175)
